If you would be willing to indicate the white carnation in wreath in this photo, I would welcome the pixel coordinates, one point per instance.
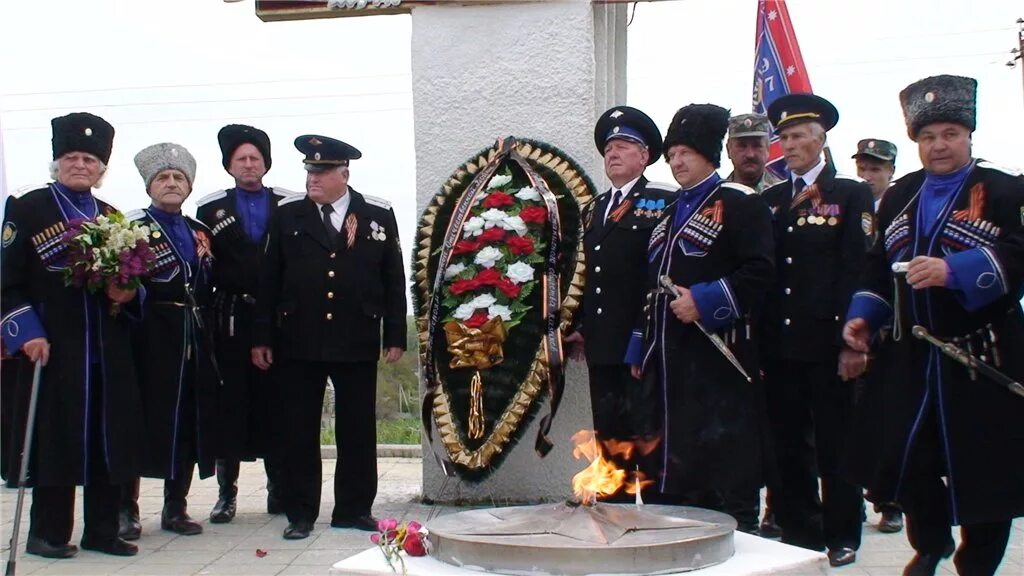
(488, 257)
(498, 181)
(520, 272)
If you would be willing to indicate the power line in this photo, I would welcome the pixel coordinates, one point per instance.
(223, 118)
(217, 101)
(912, 59)
(203, 85)
(951, 33)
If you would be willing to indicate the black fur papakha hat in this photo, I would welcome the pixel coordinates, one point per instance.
(701, 127)
(232, 136)
(82, 132)
(940, 99)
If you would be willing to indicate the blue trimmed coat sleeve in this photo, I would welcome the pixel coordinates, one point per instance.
(977, 277)
(20, 320)
(716, 303)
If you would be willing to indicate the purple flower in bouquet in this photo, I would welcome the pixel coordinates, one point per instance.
(107, 250)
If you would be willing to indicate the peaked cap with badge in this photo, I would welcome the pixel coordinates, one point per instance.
(82, 132)
(232, 136)
(700, 127)
(749, 125)
(800, 107)
(323, 153)
(154, 159)
(942, 98)
(628, 123)
(876, 148)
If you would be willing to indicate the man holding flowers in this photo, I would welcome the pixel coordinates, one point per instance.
(77, 324)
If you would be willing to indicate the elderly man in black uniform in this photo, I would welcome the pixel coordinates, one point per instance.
(617, 227)
(331, 275)
(238, 218)
(955, 435)
(698, 346)
(177, 377)
(823, 227)
(88, 425)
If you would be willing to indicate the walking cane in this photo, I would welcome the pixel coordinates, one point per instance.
(25, 451)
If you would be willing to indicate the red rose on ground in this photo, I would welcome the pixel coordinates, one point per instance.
(460, 286)
(498, 200)
(492, 235)
(465, 247)
(478, 319)
(534, 214)
(488, 277)
(508, 288)
(520, 245)
(413, 544)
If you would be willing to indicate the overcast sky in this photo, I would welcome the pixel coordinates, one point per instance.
(178, 71)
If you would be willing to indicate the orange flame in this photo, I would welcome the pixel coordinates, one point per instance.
(603, 478)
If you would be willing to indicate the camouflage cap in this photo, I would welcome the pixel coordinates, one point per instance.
(881, 149)
(744, 125)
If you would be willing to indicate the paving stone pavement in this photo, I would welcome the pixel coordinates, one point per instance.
(225, 549)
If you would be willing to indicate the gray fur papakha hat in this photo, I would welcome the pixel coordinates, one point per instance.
(154, 159)
(940, 99)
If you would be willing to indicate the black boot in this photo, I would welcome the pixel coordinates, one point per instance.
(274, 503)
(227, 477)
(129, 527)
(175, 513)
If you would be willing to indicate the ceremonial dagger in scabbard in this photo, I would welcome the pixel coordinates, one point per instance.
(969, 360)
(669, 285)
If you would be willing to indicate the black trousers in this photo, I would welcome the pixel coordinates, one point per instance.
(809, 408)
(610, 389)
(52, 517)
(301, 393)
(925, 500)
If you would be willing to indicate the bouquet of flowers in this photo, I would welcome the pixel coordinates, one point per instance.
(492, 272)
(394, 538)
(107, 250)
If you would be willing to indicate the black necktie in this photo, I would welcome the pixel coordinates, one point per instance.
(798, 186)
(332, 232)
(613, 203)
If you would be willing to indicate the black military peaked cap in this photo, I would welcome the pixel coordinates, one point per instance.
(797, 108)
(631, 124)
(323, 153)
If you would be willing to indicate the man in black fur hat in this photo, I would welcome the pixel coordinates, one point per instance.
(952, 454)
(617, 227)
(823, 227)
(239, 218)
(88, 425)
(715, 245)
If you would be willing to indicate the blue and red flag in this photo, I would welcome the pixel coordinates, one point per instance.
(778, 67)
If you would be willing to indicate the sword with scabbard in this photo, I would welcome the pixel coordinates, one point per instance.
(669, 285)
(969, 360)
(204, 334)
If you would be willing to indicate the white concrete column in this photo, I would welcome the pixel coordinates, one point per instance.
(544, 71)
